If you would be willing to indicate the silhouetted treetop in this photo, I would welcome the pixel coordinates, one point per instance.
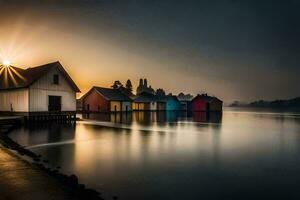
(117, 84)
(160, 92)
(128, 85)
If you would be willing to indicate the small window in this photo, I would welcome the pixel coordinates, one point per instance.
(55, 79)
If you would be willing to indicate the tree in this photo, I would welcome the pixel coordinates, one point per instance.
(160, 92)
(150, 90)
(117, 84)
(189, 96)
(181, 95)
(128, 86)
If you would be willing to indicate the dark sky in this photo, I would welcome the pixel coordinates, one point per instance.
(242, 50)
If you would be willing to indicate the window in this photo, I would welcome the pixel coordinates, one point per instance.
(55, 79)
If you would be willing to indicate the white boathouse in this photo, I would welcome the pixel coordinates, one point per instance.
(41, 91)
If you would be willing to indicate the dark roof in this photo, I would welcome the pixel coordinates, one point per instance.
(206, 98)
(146, 97)
(166, 98)
(14, 77)
(173, 97)
(185, 98)
(112, 94)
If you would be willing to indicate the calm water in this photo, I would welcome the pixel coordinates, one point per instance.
(239, 155)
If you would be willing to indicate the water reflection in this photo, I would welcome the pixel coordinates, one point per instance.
(160, 117)
(177, 155)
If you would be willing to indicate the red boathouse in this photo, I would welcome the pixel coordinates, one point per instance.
(100, 99)
(205, 103)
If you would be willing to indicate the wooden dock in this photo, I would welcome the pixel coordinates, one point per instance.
(51, 116)
(8, 123)
(62, 116)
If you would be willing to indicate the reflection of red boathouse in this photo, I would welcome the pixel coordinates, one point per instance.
(213, 117)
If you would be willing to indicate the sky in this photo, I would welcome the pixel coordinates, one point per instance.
(235, 50)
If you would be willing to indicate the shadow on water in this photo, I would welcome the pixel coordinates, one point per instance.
(40, 133)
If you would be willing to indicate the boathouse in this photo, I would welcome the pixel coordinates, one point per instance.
(206, 103)
(37, 91)
(99, 99)
(185, 102)
(186, 105)
(148, 102)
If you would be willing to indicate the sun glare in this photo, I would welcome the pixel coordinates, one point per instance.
(6, 63)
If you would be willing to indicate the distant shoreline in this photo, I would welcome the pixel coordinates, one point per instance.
(276, 104)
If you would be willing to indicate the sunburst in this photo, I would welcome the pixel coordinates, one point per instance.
(10, 74)
(6, 63)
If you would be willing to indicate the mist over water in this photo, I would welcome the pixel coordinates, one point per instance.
(241, 154)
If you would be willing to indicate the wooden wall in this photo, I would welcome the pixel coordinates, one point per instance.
(16, 99)
(153, 106)
(128, 104)
(199, 105)
(42, 88)
(216, 106)
(96, 101)
(115, 106)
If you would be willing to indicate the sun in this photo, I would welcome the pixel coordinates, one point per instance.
(6, 63)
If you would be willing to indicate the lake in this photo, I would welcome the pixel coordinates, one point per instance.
(241, 154)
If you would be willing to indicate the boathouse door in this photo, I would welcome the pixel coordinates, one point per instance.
(207, 107)
(54, 103)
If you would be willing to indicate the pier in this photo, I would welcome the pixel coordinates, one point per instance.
(8, 123)
(52, 116)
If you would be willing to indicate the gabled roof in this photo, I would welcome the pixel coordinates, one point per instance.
(173, 97)
(112, 94)
(14, 77)
(166, 98)
(206, 98)
(146, 97)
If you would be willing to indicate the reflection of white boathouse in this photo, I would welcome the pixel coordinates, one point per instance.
(41, 92)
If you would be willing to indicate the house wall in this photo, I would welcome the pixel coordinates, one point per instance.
(42, 88)
(199, 105)
(115, 106)
(153, 106)
(189, 105)
(173, 105)
(183, 105)
(216, 106)
(161, 106)
(128, 104)
(135, 106)
(139, 106)
(96, 101)
(14, 100)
